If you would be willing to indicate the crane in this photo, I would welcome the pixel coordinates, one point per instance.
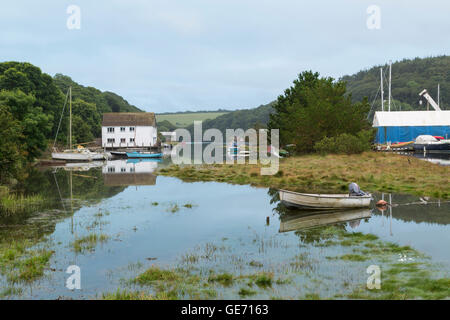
(427, 96)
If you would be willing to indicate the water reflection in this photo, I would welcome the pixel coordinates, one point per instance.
(130, 172)
(307, 220)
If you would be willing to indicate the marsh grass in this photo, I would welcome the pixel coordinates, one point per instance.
(12, 203)
(89, 242)
(373, 171)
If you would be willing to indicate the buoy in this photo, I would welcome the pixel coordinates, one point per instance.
(381, 203)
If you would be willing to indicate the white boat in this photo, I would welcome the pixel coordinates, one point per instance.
(323, 201)
(80, 153)
(305, 221)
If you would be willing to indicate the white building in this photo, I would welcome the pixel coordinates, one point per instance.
(129, 130)
(169, 135)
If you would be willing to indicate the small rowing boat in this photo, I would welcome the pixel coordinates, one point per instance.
(136, 154)
(311, 201)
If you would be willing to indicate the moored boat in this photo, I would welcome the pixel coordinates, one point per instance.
(136, 154)
(309, 201)
(431, 144)
(79, 155)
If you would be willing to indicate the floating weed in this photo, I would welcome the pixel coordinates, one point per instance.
(127, 295)
(353, 257)
(255, 264)
(154, 274)
(89, 242)
(244, 292)
(225, 279)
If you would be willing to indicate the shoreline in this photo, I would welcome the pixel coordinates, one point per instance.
(372, 171)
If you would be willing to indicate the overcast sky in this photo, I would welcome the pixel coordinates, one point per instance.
(167, 55)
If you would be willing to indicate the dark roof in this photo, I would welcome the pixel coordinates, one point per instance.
(129, 179)
(115, 119)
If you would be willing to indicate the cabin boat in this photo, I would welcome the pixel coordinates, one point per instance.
(431, 144)
(309, 201)
(80, 154)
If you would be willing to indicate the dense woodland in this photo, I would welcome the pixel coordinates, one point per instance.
(31, 104)
(409, 78)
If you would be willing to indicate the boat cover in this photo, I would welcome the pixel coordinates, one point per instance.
(354, 190)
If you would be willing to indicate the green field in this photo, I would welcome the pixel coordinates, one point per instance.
(185, 119)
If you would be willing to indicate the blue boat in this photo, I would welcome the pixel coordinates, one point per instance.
(136, 154)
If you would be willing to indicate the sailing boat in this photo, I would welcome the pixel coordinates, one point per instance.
(80, 153)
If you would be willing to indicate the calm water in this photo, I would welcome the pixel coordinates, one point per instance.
(246, 223)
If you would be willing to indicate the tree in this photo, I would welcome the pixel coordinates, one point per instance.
(314, 108)
(35, 124)
(11, 157)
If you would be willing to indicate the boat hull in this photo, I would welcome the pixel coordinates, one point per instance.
(77, 156)
(144, 155)
(323, 201)
(432, 147)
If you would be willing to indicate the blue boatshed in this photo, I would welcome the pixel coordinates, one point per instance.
(404, 126)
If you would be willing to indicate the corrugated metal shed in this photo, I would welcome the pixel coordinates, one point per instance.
(411, 118)
(404, 126)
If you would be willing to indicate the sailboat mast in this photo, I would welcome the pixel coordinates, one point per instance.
(439, 94)
(70, 118)
(382, 89)
(390, 83)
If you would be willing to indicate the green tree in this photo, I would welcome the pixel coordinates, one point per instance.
(36, 125)
(314, 108)
(11, 156)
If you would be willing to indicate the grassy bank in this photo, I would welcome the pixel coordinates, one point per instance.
(373, 171)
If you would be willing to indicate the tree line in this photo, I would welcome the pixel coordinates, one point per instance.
(31, 103)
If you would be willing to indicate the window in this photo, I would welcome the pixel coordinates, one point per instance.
(111, 140)
(123, 169)
(131, 140)
(132, 169)
(110, 130)
(111, 169)
(122, 129)
(122, 140)
(131, 129)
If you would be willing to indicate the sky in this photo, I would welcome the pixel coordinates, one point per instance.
(168, 56)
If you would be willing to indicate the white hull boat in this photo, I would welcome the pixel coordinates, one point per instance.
(310, 201)
(79, 155)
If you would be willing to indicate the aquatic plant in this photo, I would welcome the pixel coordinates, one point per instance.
(89, 242)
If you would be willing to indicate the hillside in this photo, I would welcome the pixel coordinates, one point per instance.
(244, 119)
(409, 78)
(104, 101)
(184, 119)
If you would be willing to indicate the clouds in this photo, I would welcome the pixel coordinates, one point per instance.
(198, 54)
